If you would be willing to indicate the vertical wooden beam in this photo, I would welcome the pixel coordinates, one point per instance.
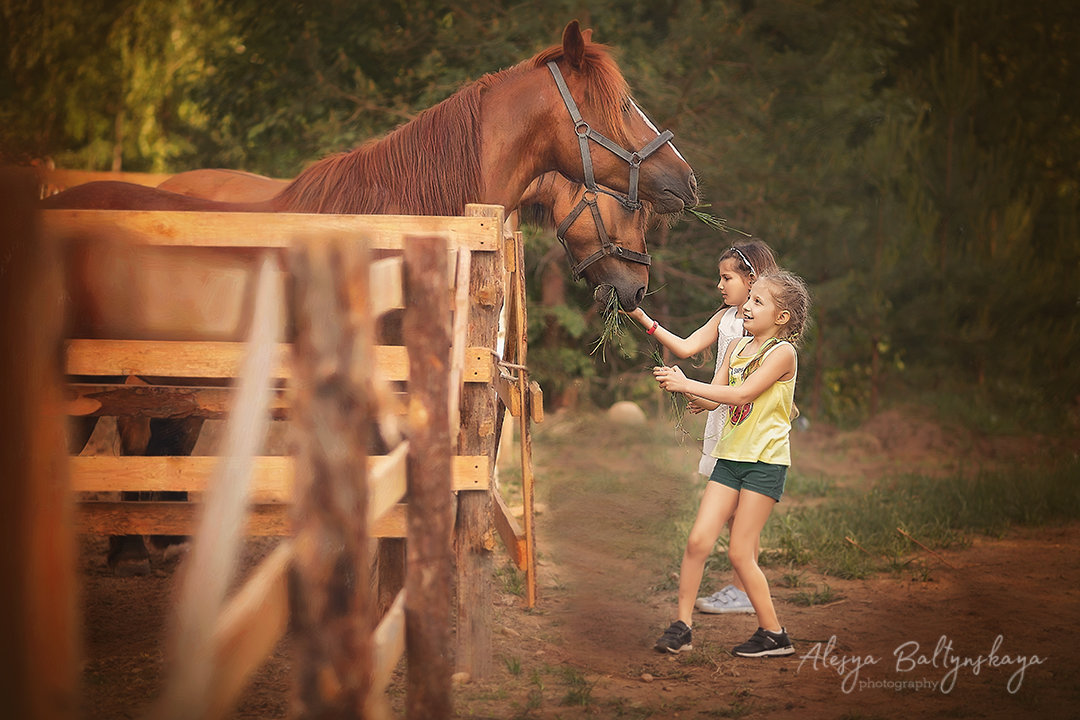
(475, 529)
(330, 592)
(428, 559)
(38, 617)
(520, 342)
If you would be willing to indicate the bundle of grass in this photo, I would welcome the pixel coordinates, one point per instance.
(612, 320)
(716, 223)
(676, 401)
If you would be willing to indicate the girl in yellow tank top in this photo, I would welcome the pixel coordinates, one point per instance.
(757, 381)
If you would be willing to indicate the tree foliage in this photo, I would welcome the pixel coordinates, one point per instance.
(918, 162)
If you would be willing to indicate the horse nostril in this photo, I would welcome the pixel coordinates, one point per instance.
(639, 296)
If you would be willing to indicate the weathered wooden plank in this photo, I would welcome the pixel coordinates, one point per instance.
(178, 518)
(198, 359)
(249, 627)
(385, 287)
(507, 389)
(387, 481)
(389, 645)
(510, 531)
(272, 481)
(267, 230)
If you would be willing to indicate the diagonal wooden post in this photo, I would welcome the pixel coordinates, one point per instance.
(475, 531)
(429, 559)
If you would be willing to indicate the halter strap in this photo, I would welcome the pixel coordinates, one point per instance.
(585, 132)
(588, 199)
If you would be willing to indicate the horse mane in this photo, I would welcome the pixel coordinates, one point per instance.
(431, 164)
(605, 86)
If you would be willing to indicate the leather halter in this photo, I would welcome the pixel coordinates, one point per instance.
(588, 199)
(585, 133)
(630, 201)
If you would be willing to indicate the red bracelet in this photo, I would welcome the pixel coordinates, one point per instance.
(651, 330)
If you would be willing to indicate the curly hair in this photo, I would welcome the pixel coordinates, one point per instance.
(790, 293)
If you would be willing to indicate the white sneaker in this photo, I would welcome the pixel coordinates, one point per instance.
(733, 600)
(721, 596)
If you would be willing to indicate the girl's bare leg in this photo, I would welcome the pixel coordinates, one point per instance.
(750, 516)
(717, 504)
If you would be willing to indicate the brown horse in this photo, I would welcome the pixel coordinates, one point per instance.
(488, 141)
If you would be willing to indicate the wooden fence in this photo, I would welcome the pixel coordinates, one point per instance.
(485, 267)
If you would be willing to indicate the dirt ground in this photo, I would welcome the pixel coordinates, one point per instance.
(984, 634)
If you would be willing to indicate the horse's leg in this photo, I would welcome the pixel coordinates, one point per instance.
(172, 437)
(127, 553)
(79, 430)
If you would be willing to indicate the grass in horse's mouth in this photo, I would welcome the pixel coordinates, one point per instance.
(612, 317)
(716, 223)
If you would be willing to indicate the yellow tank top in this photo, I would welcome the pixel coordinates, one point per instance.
(758, 431)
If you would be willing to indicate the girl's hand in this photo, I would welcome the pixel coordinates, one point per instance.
(637, 314)
(693, 407)
(693, 404)
(670, 378)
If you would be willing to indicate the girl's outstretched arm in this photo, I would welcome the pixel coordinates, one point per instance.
(779, 365)
(696, 403)
(702, 338)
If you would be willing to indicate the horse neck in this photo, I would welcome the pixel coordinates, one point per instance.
(516, 112)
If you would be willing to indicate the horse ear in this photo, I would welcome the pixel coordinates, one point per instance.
(574, 44)
(586, 35)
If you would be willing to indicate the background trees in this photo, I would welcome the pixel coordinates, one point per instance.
(918, 162)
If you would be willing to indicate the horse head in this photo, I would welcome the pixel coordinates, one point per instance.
(604, 241)
(601, 136)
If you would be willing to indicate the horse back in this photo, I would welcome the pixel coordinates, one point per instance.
(114, 195)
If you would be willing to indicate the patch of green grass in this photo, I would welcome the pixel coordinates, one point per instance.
(791, 579)
(579, 690)
(513, 665)
(511, 579)
(803, 486)
(809, 598)
(855, 534)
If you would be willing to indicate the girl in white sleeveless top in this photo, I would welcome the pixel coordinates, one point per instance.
(738, 266)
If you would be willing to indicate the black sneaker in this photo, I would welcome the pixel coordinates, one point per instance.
(765, 644)
(675, 639)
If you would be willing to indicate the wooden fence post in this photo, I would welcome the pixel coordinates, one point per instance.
(430, 511)
(38, 616)
(475, 532)
(330, 592)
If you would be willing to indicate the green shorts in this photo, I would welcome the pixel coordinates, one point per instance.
(763, 478)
